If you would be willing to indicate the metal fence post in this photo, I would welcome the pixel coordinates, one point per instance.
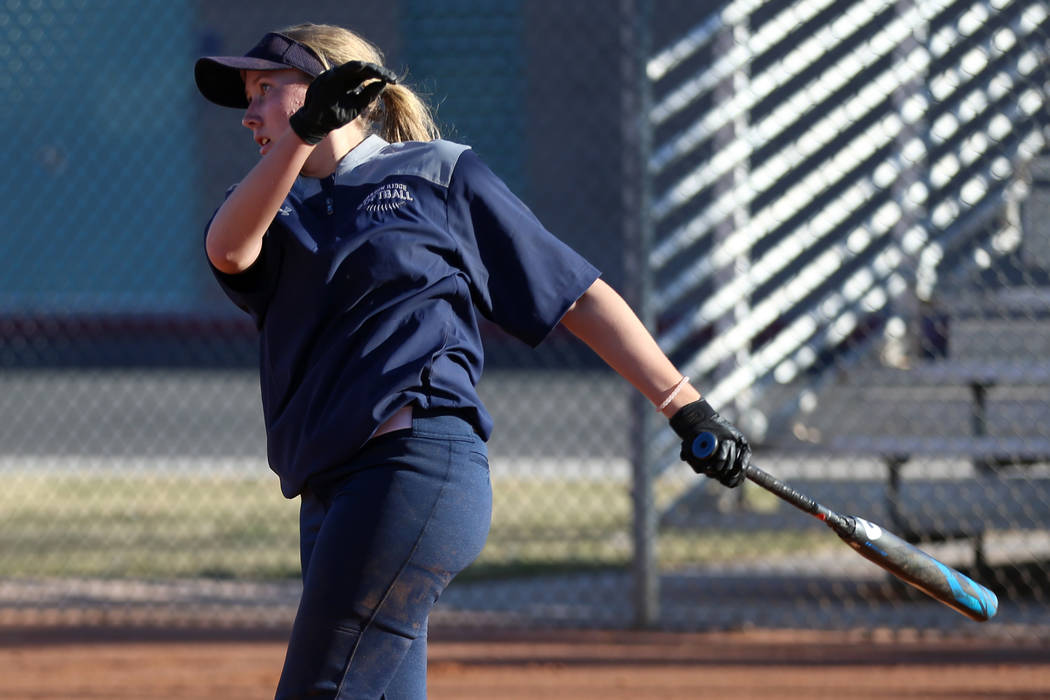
(634, 23)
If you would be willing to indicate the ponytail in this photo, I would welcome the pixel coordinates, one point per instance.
(399, 114)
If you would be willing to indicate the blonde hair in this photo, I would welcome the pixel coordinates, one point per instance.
(399, 114)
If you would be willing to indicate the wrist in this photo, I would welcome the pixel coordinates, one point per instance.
(675, 390)
(683, 398)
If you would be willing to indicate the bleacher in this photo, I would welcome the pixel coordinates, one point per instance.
(890, 190)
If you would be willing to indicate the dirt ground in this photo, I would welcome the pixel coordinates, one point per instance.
(558, 664)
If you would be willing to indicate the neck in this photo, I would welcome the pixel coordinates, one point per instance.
(327, 154)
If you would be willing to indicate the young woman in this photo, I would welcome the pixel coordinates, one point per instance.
(364, 247)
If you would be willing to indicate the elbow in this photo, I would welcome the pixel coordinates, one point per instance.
(589, 300)
(576, 310)
(226, 259)
(582, 309)
(221, 259)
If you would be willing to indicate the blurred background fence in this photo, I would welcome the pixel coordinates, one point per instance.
(835, 215)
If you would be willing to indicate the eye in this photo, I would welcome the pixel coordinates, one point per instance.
(258, 90)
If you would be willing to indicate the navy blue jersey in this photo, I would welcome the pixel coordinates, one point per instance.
(367, 290)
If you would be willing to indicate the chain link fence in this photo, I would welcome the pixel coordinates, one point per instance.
(846, 247)
(832, 214)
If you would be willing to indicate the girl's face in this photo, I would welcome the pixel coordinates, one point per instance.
(273, 96)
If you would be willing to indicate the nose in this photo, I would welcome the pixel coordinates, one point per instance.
(251, 118)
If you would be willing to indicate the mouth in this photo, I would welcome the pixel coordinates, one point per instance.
(264, 143)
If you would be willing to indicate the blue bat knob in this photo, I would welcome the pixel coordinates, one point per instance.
(704, 445)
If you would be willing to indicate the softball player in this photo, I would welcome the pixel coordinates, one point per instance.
(364, 247)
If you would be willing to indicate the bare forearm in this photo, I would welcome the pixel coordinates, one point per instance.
(235, 236)
(606, 323)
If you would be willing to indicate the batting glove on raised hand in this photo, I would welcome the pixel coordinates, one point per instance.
(732, 453)
(336, 97)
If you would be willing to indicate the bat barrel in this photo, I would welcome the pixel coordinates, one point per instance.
(903, 560)
(914, 566)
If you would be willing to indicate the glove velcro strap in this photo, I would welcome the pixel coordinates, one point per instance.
(684, 421)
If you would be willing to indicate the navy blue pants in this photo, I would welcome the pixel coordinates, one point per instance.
(380, 540)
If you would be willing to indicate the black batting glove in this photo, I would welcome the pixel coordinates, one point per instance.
(732, 453)
(336, 97)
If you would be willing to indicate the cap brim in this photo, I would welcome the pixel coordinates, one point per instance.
(219, 77)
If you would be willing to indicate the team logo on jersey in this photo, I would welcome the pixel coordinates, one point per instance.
(388, 197)
(285, 210)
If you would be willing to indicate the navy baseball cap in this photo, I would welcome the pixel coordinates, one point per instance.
(219, 77)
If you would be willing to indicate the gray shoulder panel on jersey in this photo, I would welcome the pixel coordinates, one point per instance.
(433, 161)
(375, 160)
